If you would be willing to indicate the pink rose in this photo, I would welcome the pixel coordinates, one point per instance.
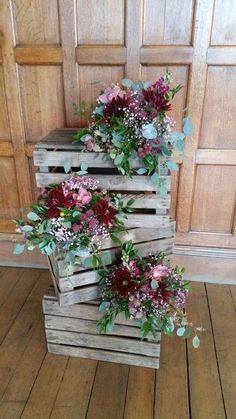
(111, 93)
(83, 197)
(77, 228)
(159, 271)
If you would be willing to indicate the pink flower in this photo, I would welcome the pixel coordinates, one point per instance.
(83, 197)
(111, 93)
(159, 271)
(134, 269)
(90, 143)
(141, 153)
(77, 228)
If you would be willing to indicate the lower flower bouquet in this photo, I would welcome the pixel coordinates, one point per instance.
(148, 291)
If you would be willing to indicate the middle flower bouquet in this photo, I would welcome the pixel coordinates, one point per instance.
(73, 217)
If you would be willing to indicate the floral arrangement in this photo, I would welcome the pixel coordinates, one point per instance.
(148, 291)
(74, 217)
(130, 122)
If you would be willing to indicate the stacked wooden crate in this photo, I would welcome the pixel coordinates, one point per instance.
(149, 226)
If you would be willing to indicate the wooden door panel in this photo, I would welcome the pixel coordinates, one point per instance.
(4, 126)
(224, 23)
(9, 202)
(214, 199)
(100, 22)
(42, 100)
(219, 110)
(36, 22)
(163, 22)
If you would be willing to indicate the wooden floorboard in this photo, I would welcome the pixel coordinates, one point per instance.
(190, 384)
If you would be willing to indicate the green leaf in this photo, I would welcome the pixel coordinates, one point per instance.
(83, 166)
(27, 228)
(163, 190)
(66, 224)
(99, 110)
(196, 342)
(180, 145)
(188, 332)
(106, 258)
(165, 150)
(32, 216)
(187, 126)
(180, 331)
(67, 167)
(127, 83)
(110, 327)
(154, 284)
(141, 171)
(115, 239)
(171, 165)
(82, 172)
(149, 132)
(119, 158)
(104, 306)
(95, 261)
(176, 136)
(18, 249)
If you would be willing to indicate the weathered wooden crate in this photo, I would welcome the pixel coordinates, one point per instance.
(149, 226)
(72, 331)
(82, 284)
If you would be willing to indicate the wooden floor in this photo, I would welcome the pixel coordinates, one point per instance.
(197, 384)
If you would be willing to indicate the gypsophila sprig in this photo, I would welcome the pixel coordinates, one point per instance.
(148, 291)
(130, 122)
(73, 217)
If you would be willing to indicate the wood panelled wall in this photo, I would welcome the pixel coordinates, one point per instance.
(58, 51)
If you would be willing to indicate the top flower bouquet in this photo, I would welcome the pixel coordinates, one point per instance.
(131, 122)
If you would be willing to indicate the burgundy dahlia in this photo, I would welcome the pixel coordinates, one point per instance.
(122, 283)
(105, 212)
(116, 108)
(156, 100)
(56, 199)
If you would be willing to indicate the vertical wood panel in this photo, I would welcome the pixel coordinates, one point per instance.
(219, 111)
(167, 22)
(4, 128)
(224, 23)
(100, 22)
(9, 202)
(214, 199)
(42, 100)
(36, 21)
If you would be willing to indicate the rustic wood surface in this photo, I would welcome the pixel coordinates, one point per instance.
(47, 385)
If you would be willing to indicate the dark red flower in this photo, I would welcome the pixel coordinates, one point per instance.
(161, 294)
(116, 107)
(57, 199)
(156, 100)
(122, 283)
(105, 212)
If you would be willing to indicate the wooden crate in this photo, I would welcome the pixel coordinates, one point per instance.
(72, 331)
(149, 226)
(82, 284)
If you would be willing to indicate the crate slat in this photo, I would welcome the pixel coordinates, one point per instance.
(71, 331)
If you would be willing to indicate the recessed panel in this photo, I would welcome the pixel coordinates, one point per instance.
(224, 23)
(214, 199)
(100, 22)
(167, 22)
(219, 111)
(94, 79)
(42, 100)
(36, 21)
(9, 202)
(180, 76)
(4, 133)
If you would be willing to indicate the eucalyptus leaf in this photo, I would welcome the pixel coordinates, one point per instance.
(104, 306)
(155, 178)
(119, 158)
(127, 83)
(32, 216)
(154, 284)
(18, 249)
(27, 228)
(196, 342)
(141, 171)
(110, 327)
(176, 136)
(83, 166)
(82, 172)
(67, 167)
(188, 126)
(99, 110)
(149, 132)
(180, 331)
(171, 165)
(106, 258)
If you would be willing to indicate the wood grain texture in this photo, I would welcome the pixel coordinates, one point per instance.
(214, 134)
(38, 55)
(99, 55)
(163, 22)
(4, 123)
(33, 21)
(224, 23)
